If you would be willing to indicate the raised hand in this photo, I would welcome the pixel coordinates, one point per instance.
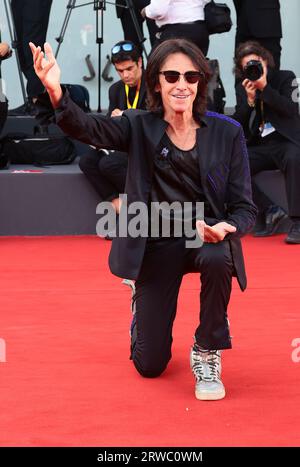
(116, 113)
(215, 233)
(48, 71)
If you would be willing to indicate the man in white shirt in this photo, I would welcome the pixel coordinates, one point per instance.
(180, 18)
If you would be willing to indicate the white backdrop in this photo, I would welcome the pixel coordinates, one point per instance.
(80, 40)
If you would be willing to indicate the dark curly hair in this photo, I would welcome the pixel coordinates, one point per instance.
(250, 48)
(155, 62)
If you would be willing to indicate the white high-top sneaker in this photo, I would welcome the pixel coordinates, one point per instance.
(206, 366)
(131, 284)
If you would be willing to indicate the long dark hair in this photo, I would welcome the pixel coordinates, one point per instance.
(158, 57)
(250, 48)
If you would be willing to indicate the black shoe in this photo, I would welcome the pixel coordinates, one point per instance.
(23, 110)
(273, 218)
(294, 234)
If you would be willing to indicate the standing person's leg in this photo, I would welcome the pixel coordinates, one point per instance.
(196, 33)
(17, 11)
(151, 25)
(270, 215)
(157, 289)
(288, 161)
(152, 29)
(273, 45)
(128, 26)
(35, 18)
(260, 159)
(214, 262)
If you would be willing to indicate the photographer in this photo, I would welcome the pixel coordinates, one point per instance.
(270, 117)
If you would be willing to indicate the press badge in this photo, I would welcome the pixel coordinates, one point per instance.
(267, 130)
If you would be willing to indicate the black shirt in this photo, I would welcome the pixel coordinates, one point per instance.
(176, 175)
(176, 178)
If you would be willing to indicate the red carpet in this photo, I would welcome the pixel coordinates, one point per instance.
(68, 381)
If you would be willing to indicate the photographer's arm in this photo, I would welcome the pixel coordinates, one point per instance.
(243, 109)
(282, 101)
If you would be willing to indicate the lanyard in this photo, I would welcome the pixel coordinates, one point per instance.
(262, 126)
(136, 98)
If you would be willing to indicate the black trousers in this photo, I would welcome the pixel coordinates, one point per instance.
(285, 156)
(157, 287)
(31, 19)
(128, 25)
(106, 173)
(195, 32)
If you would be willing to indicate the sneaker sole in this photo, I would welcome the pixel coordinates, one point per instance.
(210, 396)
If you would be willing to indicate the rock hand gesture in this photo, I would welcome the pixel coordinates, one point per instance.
(48, 71)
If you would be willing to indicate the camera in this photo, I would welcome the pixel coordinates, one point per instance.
(253, 70)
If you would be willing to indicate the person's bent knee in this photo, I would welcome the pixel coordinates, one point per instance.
(89, 161)
(148, 370)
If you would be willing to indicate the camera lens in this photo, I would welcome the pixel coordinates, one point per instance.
(253, 70)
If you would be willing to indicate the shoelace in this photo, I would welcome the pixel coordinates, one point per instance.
(206, 365)
(131, 284)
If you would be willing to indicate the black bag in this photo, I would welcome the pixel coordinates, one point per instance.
(45, 112)
(215, 89)
(217, 17)
(80, 95)
(39, 149)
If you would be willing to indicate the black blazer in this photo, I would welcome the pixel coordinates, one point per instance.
(117, 96)
(262, 17)
(279, 106)
(223, 167)
(3, 113)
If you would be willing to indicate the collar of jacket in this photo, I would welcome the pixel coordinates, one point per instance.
(159, 126)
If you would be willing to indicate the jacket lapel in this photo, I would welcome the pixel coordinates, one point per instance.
(204, 160)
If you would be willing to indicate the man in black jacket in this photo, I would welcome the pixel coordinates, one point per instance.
(268, 110)
(107, 174)
(177, 152)
(259, 20)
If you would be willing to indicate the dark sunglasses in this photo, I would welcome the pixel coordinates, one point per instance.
(190, 77)
(126, 47)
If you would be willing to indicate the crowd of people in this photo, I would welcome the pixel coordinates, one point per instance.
(158, 143)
